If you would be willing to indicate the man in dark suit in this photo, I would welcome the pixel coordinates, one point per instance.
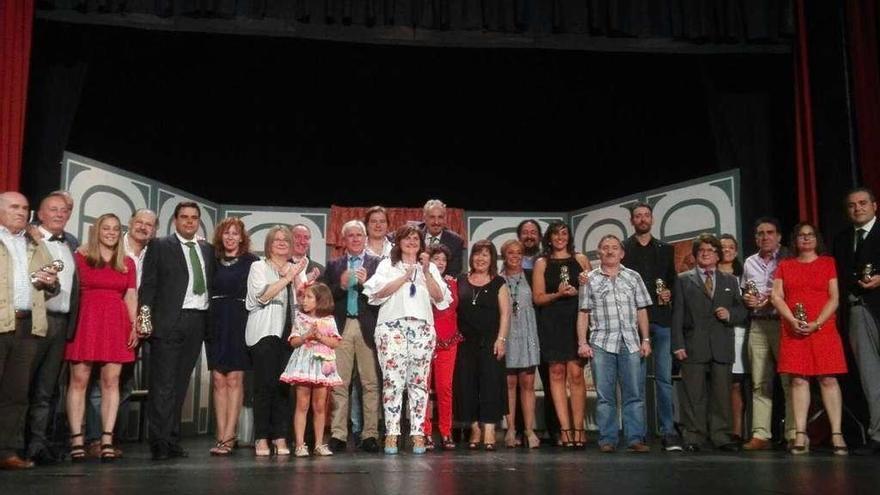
(299, 249)
(707, 304)
(61, 311)
(434, 228)
(854, 249)
(177, 274)
(356, 321)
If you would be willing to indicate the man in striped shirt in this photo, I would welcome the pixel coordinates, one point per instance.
(613, 331)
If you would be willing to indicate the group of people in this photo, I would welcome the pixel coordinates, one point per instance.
(401, 313)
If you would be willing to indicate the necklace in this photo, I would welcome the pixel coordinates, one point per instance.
(229, 260)
(477, 291)
(513, 281)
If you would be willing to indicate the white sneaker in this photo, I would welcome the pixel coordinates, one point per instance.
(323, 450)
(301, 451)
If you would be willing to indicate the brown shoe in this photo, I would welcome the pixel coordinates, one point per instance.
(757, 444)
(606, 448)
(93, 450)
(638, 448)
(15, 462)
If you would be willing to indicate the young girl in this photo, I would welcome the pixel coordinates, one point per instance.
(312, 366)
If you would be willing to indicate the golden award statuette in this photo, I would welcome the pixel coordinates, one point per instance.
(144, 322)
(752, 289)
(661, 286)
(563, 275)
(56, 265)
(867, 272)
(800, 312)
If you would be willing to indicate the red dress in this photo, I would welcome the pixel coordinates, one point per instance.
(820, 353)
(103, 325)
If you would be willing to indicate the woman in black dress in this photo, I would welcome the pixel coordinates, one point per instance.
(555, 290)
(227, 353)
(480, 383)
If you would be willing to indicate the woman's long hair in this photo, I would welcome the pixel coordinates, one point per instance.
(401, 234)
(92, 251)
(553, 228)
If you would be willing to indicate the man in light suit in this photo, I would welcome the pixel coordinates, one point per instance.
(434, 228)
(356, 320)
(61, 310)
(854, 248)
(177, 274)
(707, 304)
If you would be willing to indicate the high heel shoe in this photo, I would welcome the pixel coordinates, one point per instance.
(532, 440)
(391, 444)
(510, 438)
(800, 449)
(108, 453)
(838, 449)
(280, 447)
(77, 451)
(580, 439)
(567, 438)
(262, 451)
(418, 444)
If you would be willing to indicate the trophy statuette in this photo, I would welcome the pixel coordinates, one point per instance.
(661, 286)
(752, 289)
(56, 265)
(800, 313)
(867, 272)
(144, 322)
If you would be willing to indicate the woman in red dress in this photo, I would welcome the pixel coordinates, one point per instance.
(805, 295)
(105, 333)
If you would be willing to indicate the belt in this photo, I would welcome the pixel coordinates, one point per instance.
(188, 310)
(353, 317)
(22, 314)
(765, 317)
(57, 314)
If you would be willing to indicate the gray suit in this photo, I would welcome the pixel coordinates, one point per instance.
(709, 345)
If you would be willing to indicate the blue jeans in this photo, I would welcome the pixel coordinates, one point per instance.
(661, 351)
(629, 370)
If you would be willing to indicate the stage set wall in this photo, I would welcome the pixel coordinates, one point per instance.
(681, 211)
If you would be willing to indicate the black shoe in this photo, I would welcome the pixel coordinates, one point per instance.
(175, 450)
(671, 443)
(44, 457)
(336, 445)
(691, 447)
(370, 445)
(356, 439)
(730, 447)
(160, 452)
(870, 448)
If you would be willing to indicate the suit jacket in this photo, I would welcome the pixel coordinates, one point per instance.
(367, 313)
(850, 264)
(455, 244)
(694, 325)
(165, 277)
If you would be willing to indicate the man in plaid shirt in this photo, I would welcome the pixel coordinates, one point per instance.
(612, 312)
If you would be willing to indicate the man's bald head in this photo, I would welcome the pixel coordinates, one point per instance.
(13, 211)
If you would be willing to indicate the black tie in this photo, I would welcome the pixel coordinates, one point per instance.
(56, 238)
(860, 239)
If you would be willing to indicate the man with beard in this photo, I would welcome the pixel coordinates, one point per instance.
(529, 234)
(654, 260)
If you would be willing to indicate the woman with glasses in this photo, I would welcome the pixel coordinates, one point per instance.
(805, 295)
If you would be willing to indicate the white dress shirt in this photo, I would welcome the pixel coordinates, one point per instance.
(21, 283)
(191, 300)
(400, 304)
(60, 251)
(138, 259)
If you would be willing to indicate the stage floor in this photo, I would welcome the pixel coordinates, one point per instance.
(546, 471)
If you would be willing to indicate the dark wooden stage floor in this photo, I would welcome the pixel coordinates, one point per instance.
(546, 471)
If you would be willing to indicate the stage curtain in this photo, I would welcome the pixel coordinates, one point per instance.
(16, 22)
(805, 158)
(396, 218)
(862, 23)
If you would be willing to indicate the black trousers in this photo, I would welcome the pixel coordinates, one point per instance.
(272, 408)
(17, 352)
(705, 405)
(172, 358)
(479, 384)
(44, 391)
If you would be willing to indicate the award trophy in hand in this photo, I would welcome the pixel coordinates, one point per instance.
(867, 272)
(661, 286)
(800, 314)
(144, 322)
(56, 265)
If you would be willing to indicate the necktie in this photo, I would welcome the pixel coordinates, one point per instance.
(860, 239)
(709, 286)
(56, 238)
(435, 239)
(198, 276)
(351, 305)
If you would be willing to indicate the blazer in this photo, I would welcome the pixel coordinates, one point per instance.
(694, 325)
(367, 313)
(165, 277)
(455, 244)
(850, 264)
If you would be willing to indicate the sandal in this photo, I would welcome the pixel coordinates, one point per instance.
(566, 437)
(800, 449)
(448, 444)
(108, 452)
(77, 451)
(580, 439)
(510, 440)
(429, 443)
(223, 447)
(839, 449)
(472, 443)
(489, 447)
(262, 451)
(532, 440)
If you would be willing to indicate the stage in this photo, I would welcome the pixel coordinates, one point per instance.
(548, 470)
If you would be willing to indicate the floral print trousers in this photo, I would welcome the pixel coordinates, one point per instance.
(404, 347)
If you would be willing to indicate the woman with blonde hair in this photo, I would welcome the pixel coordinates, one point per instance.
(105, 332)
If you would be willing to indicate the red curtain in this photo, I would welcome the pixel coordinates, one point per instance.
(863, 54)
(805, 158)
(396, 218)
(16, 23)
